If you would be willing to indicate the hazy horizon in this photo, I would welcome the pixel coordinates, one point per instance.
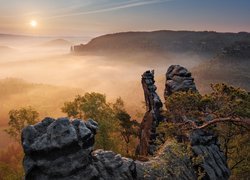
(94, 18)
(72, 60)
(102, 34)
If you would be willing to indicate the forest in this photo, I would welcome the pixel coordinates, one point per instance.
(105, 87)
(119, 132)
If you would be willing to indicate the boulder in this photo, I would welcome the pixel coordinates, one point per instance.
(63, 149)
(57, 148)
(178, 78)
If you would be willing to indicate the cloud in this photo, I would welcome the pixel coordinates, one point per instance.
(110, 8)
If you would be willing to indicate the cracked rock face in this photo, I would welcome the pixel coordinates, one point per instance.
(63, 149)
(54, 148)
(205, 144)
(178, 78)
(152, 116)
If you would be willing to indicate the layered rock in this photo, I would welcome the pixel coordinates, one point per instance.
(63, 149)
(205, 147)
(178, 78)
(152, 116)
(204, 144)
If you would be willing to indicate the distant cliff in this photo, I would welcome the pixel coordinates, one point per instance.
(206, 42)
(214, 57)
(231, 66)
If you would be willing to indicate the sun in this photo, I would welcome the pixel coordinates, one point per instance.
(33, 23)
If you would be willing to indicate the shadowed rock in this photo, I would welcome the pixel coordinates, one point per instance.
(63, 149)
(204, 144)
(151, 118)
(178, 78)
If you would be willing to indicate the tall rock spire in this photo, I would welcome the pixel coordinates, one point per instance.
(152, 116)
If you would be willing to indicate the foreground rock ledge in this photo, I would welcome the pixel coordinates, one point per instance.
(63, 149)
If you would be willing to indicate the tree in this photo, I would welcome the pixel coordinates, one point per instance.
(90, 105)
(111, 117)
(227, 110)
(128, 127)
(94, 105)
(18, 119)
(11, 162)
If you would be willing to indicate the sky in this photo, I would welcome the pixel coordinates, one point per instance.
(96, 17)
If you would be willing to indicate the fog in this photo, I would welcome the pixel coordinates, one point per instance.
(48, 75)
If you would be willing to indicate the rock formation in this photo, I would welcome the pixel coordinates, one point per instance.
(152, 116)
(204, 144)
(63, 149)
(178, 78)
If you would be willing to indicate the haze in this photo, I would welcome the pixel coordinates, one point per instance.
(38, 70)
(95, 17)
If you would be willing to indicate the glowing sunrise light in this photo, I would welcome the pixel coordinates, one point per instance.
(33, 23)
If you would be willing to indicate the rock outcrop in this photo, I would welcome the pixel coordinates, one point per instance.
(63, 149)
(152, 116)
(178, 78)
(204, 144)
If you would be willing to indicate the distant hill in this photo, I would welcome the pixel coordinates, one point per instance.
(14, 36)
(4, 49)
(201, 43)
(57, 42)
(216, 57)
(46, 99)
(230, 66)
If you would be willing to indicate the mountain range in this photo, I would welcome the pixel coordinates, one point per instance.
(223, 57)
(206, 42)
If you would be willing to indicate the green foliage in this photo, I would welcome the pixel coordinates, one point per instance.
(128, 128)
(11, 163)
(223, 101)
(93, 105)
(229, 101)
(8, 173)
(168, 130)
(183, 103)
(112, 119)
(18, 119)
(174, 160)
(234, 140)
